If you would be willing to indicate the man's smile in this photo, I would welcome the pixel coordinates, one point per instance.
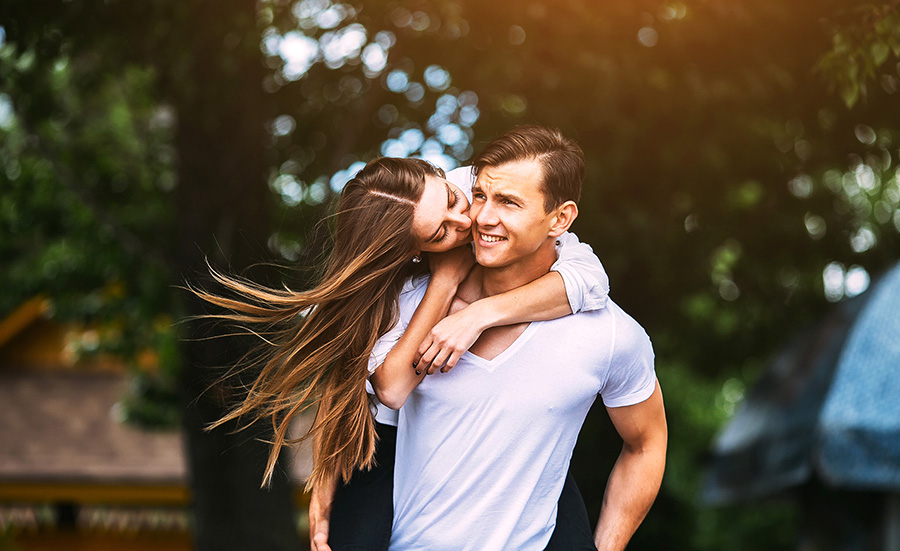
(490, 238)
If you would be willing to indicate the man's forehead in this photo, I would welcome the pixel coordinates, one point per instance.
(516, 176)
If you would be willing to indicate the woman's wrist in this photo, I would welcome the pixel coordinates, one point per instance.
(483, 314)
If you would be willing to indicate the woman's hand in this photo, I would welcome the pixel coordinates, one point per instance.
(452, 266)
(450, 338)
(320, 514)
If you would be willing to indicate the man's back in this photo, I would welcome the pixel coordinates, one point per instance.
(483, 450)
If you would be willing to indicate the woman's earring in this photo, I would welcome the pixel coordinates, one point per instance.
(416, 259)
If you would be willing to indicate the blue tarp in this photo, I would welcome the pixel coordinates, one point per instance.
(859, 428)
(829, 404)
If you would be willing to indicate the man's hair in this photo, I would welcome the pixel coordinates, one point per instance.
(561, 160)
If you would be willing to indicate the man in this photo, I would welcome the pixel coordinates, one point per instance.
(483, 449)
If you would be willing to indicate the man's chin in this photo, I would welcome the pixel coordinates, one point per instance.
(487, 260)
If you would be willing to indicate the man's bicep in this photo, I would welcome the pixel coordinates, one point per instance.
(642, 423)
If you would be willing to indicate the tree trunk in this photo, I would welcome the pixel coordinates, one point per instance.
(222, 215)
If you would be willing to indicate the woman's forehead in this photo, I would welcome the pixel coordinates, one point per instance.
(429, 212)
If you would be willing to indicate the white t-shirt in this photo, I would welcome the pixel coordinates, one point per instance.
(483, 451)
(587, 287)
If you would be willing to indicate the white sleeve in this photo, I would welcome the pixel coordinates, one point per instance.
(631, 378)
(410, 297)
(412, 294)
(587, 285)
(462, 178)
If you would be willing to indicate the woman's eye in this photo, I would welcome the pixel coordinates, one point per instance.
(455, 199)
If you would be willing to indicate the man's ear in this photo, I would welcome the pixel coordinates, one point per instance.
(563, 218)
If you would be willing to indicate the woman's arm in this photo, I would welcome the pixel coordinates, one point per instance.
(394, 379)
(577, 283)
(320, 514)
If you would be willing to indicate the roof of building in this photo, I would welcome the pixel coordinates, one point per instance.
(62, 427)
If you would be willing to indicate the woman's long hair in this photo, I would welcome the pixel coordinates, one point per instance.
(316, 343)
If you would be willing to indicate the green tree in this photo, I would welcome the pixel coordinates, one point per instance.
(148, 165)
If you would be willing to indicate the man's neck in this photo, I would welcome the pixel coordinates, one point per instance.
(499, 280)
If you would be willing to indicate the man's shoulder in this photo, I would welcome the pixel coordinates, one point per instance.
(611, 320)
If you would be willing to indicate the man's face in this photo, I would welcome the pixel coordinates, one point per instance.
(508, 219)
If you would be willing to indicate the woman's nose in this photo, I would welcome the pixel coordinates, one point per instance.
(462, 221)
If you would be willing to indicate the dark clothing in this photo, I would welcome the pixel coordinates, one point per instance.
(363, 509)
(573, 528)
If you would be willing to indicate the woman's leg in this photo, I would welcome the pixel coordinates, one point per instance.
(363, 509)
(573, 529)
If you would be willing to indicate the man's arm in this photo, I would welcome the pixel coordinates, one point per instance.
(637, 474)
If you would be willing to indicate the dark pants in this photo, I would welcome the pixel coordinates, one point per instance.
(573, 529)
(363, 509)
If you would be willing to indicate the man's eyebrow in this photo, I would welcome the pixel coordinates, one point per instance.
(500, 194)
(510, 197)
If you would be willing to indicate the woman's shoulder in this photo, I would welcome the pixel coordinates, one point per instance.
(411, 295)
(416, 284)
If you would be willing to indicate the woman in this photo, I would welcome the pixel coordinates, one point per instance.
(318, 342)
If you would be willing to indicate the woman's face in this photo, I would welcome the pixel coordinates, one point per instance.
(441, 220)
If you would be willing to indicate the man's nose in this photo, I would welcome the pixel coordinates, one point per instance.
(486, 216)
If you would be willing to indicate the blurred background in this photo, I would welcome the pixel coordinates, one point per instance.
(742, 192)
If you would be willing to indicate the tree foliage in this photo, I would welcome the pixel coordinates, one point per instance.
(865, 39)
(742, 162)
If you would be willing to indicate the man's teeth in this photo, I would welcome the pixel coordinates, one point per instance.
(492, 238)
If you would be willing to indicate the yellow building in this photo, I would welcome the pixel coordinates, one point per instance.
(72, 477)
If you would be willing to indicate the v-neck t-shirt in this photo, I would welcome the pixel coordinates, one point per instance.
(483, 451)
